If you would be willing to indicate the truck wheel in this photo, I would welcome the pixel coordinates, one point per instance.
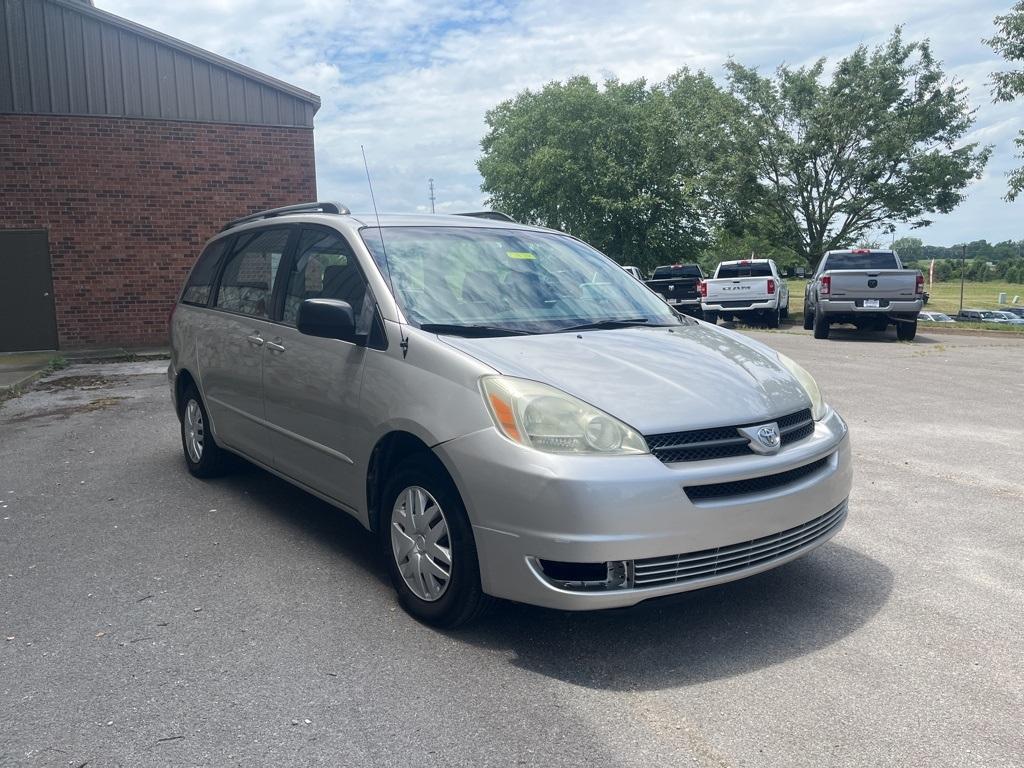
(808, 321)
(772, 319)
(785, 312)
(711, 317)
(906, 330)
(821, 328)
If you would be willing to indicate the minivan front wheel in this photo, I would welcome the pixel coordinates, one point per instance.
(203, 456)
(428, 543)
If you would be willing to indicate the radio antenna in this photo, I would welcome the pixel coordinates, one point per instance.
(404, 344)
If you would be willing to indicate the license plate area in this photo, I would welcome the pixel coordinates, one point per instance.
(871, 304)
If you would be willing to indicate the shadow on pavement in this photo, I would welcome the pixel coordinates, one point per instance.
(698, 636)
(322, 522)
(684, 639)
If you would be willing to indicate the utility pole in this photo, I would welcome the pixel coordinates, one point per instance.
(432, 198)
(963, 259)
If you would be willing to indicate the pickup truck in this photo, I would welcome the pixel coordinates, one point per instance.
(679, 285)
(750, 288)
(866, 287)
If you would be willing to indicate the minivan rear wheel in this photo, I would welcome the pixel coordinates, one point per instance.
(203, 456)
(427, 542)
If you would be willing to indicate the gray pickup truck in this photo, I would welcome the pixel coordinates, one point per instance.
(866, 287)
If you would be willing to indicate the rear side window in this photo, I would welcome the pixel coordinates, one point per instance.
(247, 283)
(883, 260)
(745, 270)
(200, 282)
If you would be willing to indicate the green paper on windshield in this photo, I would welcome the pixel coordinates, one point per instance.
(519, 255)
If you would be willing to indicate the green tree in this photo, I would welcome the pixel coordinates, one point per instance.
(634, 170)
(909, 248)
(1008, 42)
(876, 143)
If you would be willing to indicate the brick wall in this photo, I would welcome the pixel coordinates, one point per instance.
(128, 204)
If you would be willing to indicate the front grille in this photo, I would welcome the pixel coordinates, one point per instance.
(721, 442)
(753, 484)
(693, 566)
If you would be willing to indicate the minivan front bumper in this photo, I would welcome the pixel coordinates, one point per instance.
(534, 515)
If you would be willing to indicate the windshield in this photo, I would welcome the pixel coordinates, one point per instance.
(517, 280)
(880, 260)
(762, 269)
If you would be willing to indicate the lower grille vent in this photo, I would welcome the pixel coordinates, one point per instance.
(659, 571)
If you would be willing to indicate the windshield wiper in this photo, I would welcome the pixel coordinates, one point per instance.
(472, 330)
(600, 324)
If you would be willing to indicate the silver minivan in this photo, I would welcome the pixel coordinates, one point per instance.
(509, 412)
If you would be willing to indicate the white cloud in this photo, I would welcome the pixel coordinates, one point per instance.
(412, 80)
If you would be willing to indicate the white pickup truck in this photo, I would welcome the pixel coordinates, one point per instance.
(746, 289)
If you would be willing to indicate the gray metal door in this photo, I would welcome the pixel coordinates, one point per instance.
(27, 318)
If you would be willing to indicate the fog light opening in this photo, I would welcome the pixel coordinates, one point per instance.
(589, 577)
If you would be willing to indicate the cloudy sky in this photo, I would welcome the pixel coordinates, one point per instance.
(411, 80)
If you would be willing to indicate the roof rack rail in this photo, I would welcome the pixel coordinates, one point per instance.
(495, 215)
(318, 207)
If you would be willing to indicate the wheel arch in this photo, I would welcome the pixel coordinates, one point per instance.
(391, 450)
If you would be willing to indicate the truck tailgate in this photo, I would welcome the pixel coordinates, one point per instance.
(737, 289)
(873, 284)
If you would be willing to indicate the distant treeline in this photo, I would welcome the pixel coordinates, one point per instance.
(913, 249)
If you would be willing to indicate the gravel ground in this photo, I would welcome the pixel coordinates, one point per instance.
(149, 619)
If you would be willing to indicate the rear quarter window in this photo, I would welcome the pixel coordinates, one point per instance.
(200, 282)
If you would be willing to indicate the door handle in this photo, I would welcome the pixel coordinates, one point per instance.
(273, 345)
(256, 340)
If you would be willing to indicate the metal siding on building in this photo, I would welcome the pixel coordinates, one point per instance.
(67, 58)
(6, 96)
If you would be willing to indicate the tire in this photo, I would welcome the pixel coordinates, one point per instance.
(808, 321)
(773, 317)
(711, 317)
(906, 330)
(421, 483)
(785, 312)
(203, 456)
(821, 327)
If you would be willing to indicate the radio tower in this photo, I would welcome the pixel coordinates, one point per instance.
(432, 198)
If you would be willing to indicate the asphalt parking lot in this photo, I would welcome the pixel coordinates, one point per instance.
(149, 619)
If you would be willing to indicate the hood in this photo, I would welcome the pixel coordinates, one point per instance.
(654, 379)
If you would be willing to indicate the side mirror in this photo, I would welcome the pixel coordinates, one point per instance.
(328, 319)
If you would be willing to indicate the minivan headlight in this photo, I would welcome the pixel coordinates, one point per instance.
(818, 407)
(550, 420)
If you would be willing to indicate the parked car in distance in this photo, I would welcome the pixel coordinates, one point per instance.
(747, 289)
(634, 272)
(1018, 311)
(866, 287)
(503, 407)
(1001, 316)
(978, 316)
(935, 317)
(679, 285)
